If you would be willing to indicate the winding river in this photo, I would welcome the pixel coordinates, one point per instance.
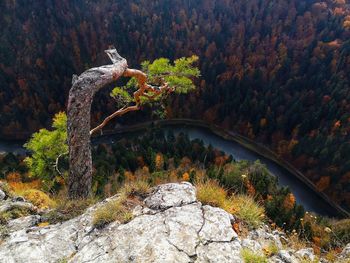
(231, 144)
(303, 194)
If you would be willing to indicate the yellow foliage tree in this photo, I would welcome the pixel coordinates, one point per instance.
(186, 177)
(289, 201)
(159, 161)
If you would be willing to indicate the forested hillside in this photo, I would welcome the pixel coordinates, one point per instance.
(275, 71)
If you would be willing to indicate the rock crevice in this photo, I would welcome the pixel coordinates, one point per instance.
(170, 226)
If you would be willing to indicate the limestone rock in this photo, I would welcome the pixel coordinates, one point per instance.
(252, 245)
(226, 252)
(9, 204)
(23, 222)
(170, 195)
(287, 256)
(172, 226)
(215, 225)
(2, 195)
(266, 237)
(306, 254)
(345, 254)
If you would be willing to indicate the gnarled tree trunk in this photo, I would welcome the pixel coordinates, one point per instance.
(80, 99)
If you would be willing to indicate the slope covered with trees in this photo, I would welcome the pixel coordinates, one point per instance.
(276, 71)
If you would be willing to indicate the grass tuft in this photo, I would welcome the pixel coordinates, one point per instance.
(211, 193)
(136, 188)
(39, 199)
(243, 206)
(6, 189)
(250, 257)
(13, 213)
(271, 249)
(110, 212)
(248, 210)
(120, 209)
(67, 209)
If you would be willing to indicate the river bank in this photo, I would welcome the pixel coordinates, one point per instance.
(231, 143)
(247, 143)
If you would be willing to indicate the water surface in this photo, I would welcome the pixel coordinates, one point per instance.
(303, 194)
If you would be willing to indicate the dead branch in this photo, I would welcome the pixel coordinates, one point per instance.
(57, 162)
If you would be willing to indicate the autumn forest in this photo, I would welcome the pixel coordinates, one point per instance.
(274, 71)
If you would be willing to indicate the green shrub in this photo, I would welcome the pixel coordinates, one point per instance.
(250, 257)
(45, 146)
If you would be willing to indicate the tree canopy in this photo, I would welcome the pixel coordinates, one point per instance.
(152, 84)
(179, 77)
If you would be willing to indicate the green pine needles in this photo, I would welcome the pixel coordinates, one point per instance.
(45, 146)
(177, 75)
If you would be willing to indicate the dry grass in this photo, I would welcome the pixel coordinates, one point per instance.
(19, 188)
(332, 255)
(295, 242)
(138, 188)
(247, 210)
(243, 206)
(271, 249)
(39, 198)
(120, 209)
(250, 257)
(340, 233)
(316, 260)
(67, 209)
(110, 212)
(211, 193)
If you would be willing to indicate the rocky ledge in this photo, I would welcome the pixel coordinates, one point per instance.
(170, 226)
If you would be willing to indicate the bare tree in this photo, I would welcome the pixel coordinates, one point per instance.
(81, 95)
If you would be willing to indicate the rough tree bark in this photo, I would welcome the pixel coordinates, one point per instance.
(80, 99)
(84, 87)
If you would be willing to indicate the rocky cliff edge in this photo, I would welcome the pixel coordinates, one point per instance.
(170, 225)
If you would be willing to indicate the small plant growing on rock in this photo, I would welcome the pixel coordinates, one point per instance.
(248, 210)
(211, 193)
(137, 188)
(6, 189)
(244, 207)
(39, 198)
(120, 209)
(3, 232)
(271, 249)
(16, 211)
(110, 212)
(67, 209)
(250, 256)
(63, 260)
(316, 260)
